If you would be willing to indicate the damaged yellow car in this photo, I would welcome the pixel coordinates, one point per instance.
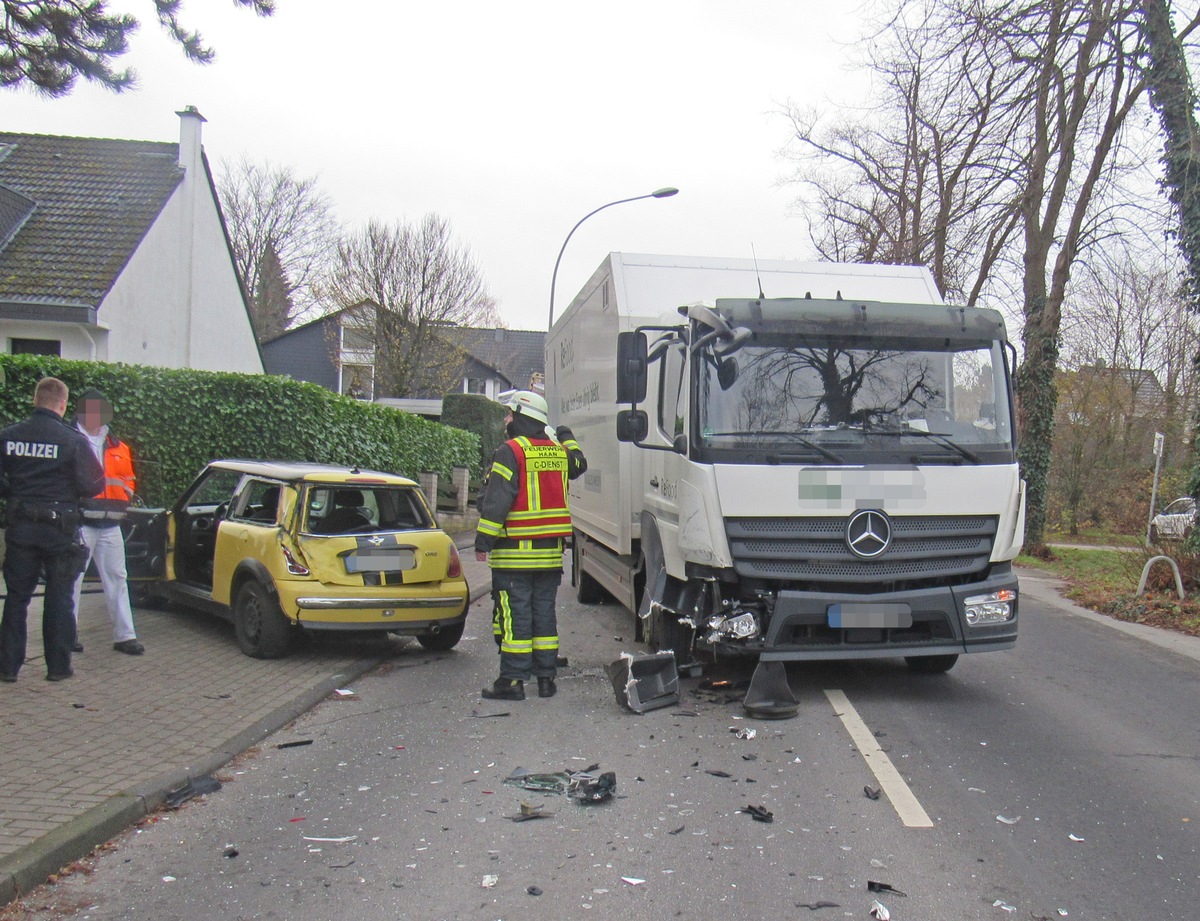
(280, 548)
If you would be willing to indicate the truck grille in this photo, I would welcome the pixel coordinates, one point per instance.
(813, 551)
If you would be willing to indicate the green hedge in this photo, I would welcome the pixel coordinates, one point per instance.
(176, 421)
(476, 413)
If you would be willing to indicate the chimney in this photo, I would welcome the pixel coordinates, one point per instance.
(190, 121)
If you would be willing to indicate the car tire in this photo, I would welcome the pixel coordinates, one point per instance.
(443, 640)
(931, 665)
(263, 632)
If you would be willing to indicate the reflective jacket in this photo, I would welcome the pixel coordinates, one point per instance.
(108, 506)
(523, 513)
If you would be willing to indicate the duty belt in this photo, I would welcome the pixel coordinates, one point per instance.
(19, 509)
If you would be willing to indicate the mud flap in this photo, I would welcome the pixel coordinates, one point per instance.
(645, 682)
(769, 696)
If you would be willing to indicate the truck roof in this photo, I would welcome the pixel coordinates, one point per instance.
(648, 285)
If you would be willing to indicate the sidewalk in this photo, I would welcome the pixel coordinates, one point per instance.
(82, 760)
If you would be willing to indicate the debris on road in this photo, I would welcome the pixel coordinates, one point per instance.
(759, 813)
(1075, 838)
(195, 786)
(1003, 905)
(871, 792)
(534, 890)
(230, 851)
(340, 840)
(879, 911)
(489, 881)
(820, 903)
(295, 744)
(744, 732)
(632, 880)
(645, 681)
(875, 886)
(1008, 821)
(484, 716)
(719, 773)
(530, 812)
(592, 788)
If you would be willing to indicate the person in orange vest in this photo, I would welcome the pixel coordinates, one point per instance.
(523, 518)
(102, 517)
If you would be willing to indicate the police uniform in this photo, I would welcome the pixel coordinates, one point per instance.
(523, 519)
(46, 467)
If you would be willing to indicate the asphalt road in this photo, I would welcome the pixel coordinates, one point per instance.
(1060, 779)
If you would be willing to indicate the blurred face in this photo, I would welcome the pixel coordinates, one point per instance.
(95, 413)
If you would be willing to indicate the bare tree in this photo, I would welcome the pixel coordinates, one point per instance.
(48, 44)
(275, 216)
(402, 284)
(1001, 149)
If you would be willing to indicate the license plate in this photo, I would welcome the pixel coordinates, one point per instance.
(390, 559)
(877, 616)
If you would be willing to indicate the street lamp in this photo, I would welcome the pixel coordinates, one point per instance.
(658, 193)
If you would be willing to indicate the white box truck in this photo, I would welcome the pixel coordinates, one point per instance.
(792, 461)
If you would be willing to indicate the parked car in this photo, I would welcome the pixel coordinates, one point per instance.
(1174, 522)
(282, 547)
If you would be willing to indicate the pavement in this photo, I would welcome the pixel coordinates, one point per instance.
(82, 760)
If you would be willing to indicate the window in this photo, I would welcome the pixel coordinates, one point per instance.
(476, 385)
(259, 501)
(670, 398)
(358, 381)
(35, 347)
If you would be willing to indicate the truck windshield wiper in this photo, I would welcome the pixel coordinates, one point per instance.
(790, 436)
(936, 436)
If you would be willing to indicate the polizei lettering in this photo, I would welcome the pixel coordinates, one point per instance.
(30, 449)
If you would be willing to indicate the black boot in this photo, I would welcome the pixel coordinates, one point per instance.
(546, 687)
(505, 689)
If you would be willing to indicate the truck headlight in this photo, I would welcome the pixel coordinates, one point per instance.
(993, 608)
(741, 627)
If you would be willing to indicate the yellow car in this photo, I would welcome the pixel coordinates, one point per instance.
(279, 547)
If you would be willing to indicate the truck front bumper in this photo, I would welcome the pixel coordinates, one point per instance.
(800, 628)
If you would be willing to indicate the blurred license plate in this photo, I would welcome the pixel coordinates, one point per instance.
(391, 559)
(879, 615)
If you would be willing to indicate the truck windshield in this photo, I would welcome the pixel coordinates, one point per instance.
(847, 396)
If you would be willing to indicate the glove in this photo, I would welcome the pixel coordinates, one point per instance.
(564, 434)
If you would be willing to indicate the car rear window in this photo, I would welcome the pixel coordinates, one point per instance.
(364, 509)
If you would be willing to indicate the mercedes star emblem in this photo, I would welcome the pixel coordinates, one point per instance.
(868, 533)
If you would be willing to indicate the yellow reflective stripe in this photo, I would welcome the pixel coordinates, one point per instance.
(517, 647)
(545, 642)
(534, 532)
(499, 468)
(539, 513)
(502, 620)
(491, 528)
(518, 563)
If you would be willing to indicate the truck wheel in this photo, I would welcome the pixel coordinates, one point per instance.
(587, 589)
(262, 630)
(443, 640)
(931, 665)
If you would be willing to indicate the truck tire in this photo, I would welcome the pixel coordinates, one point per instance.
(262, 630)
(931, 665)
(587, 589)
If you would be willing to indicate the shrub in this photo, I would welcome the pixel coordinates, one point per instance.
(477, 414)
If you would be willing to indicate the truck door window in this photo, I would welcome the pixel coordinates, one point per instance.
(671, 393)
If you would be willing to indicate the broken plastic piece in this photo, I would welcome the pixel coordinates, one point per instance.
(879, 911)
(719, 773)
(744, 732)
(540, 783)
(484, 716)
(645, 682)
(195, 786)
(770, 696)
(871, 792)
(759, 813)
(489, 881)
(874, 886)
(1076, 838)
(592, 788)
(1003, 905)
(1008, 821)
(528, 812)
(632, 880)
(342, 840)
(230, 851)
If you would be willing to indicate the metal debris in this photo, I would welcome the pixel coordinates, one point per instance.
(759, 813)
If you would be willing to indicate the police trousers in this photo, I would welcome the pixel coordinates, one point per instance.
(524, 621)
(31, 549)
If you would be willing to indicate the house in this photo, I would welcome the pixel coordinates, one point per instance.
(115, 250)
(336, 352)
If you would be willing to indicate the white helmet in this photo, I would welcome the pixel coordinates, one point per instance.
(527, 403)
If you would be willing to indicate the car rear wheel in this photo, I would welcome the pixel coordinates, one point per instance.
(931, 665)
(263, 632)
(443, 640)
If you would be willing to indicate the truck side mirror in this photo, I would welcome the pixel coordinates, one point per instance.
(632, 424)
(631, 369)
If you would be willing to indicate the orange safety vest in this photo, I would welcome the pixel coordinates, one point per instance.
(119, 484)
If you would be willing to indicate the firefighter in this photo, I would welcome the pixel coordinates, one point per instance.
(46, 467)
(102, 517)
(523, 518)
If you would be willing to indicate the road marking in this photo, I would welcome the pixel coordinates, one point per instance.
(903, 801)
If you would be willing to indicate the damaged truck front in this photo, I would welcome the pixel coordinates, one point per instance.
(795, 478)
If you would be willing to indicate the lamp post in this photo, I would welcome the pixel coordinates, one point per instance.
(657, 193)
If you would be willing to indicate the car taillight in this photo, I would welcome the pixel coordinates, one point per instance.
(455, 570)
(293, 565)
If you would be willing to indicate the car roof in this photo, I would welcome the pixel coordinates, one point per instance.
(297, 471)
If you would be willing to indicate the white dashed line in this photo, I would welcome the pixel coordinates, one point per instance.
(906, 805)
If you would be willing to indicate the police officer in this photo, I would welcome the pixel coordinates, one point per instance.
(523, 518)
(46, 467)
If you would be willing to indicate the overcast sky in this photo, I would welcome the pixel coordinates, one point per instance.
(511, 120)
